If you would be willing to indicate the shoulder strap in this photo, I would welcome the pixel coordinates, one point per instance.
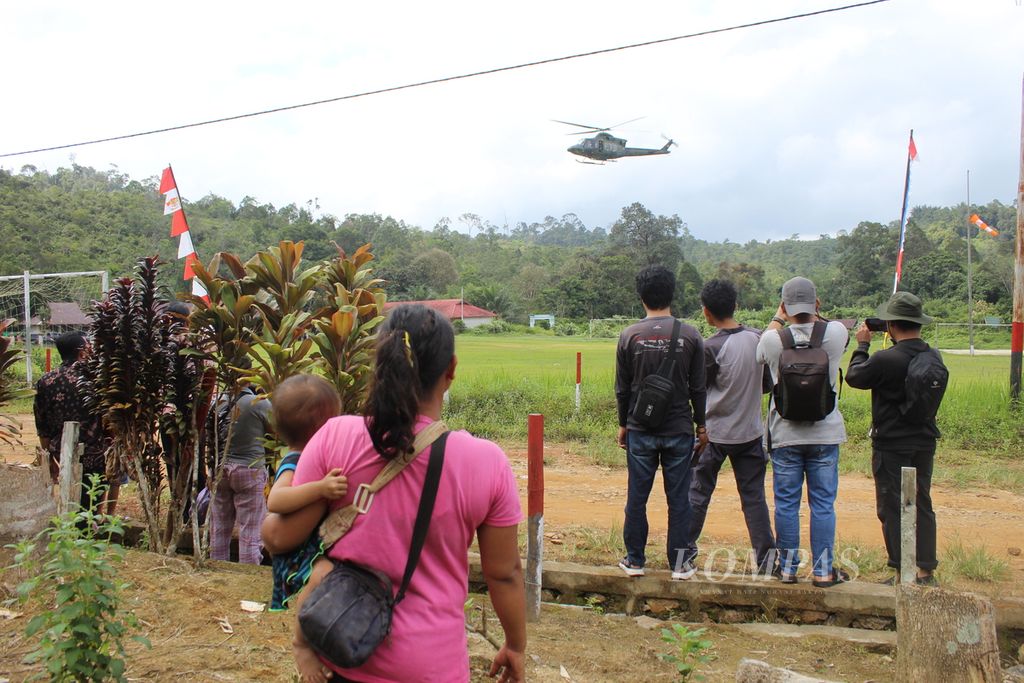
(424, 513)
(818, 333)
(786, 336)
(667, 363)
(337, 523)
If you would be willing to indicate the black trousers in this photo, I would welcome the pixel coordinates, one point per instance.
(886, 465)
(748, 464)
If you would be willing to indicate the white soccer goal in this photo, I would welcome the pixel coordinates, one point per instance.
(45, 305)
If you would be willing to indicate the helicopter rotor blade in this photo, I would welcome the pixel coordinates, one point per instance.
(619, 125)
(580, 125)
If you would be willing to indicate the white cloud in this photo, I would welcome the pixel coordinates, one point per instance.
(799, 126)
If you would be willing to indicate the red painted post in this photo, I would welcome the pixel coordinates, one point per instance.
(48, 358)
(535, 511)
(579, 378)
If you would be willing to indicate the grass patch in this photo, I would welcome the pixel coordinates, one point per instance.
(972, 562)
(502, 379)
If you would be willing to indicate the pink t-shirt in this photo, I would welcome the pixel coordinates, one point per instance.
(428, 634)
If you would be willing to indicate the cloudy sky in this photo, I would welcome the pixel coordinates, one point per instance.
(797, 127)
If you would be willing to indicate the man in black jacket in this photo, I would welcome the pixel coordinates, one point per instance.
(898, 441)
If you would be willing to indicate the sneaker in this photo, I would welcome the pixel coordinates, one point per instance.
(786, 578)
(630, 568)
(685, 571)
(836, 577)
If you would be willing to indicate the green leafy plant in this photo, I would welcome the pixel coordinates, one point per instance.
(127, 379)
(345, 334)
(10, 429)
(72, 577)
(690, 650)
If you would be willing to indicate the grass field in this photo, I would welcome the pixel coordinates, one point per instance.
(501, 379)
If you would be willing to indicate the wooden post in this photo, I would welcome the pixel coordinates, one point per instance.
(535, 521)
(579, 378)
(908, 526)
(70, 489)
(945, 636)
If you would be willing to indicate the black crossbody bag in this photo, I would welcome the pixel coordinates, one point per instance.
(656, 390)
(349, 614)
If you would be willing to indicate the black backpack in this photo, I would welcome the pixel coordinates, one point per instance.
(924, 386)
(804, 390)
(657, 390)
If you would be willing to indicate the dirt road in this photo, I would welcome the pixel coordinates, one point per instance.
(578, 492)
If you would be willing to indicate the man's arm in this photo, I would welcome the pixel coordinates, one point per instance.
(862, 372)
(623, 384)
(697, 383)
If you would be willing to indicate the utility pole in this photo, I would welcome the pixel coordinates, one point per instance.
(1017, 339)
(970, 293)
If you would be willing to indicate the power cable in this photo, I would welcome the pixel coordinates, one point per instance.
(446, 79)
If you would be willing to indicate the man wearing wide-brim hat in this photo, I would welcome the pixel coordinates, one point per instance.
(903, 428)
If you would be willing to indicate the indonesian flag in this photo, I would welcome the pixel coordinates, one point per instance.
(912, 151)
(167, 181)
(976, 219)
(190, 260)
(199, 290)
(172, 202)
(185, 245)
(178, 223)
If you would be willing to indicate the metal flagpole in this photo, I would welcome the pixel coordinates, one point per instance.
(903, 217)
(970, 293)
(28, 331)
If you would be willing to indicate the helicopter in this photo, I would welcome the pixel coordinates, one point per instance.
(606, 147)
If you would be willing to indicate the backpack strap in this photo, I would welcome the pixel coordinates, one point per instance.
(818, 334)
(337, 523)
(786, 336)
(667, 364)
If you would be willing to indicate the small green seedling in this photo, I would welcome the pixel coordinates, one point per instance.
(690, 650)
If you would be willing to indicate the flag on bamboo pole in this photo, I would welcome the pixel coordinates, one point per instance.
(199, 290)
(976, 219)
(911, 156)
(179, 229)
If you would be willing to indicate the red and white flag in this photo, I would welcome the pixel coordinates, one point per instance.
(199, 290)
(179, 229)
(172, 202)
(976, 219)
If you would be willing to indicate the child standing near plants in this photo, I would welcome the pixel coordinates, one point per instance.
(302, 404)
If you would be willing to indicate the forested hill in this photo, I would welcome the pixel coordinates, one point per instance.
(79, 218)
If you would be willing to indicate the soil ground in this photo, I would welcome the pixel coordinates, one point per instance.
(179, 608)
(179, 605)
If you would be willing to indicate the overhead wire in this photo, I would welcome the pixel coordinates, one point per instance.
(446, 79)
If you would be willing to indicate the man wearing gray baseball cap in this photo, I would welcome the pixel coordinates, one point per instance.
(907, 382)
(804, 430)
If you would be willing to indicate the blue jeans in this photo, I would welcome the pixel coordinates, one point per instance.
(819, 464)
(644, 452)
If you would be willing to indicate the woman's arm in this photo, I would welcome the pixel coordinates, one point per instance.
(284, 533)
(503, 572)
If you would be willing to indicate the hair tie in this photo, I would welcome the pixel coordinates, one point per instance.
(408, 348)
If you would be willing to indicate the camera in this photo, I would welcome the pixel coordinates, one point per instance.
(875, 324)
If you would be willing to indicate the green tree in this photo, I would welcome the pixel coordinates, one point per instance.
(647, 238)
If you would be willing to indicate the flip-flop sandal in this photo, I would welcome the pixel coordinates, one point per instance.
(838, 576)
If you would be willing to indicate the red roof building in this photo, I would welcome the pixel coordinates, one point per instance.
(453, 309)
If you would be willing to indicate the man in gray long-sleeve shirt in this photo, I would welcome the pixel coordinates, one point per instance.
(735, 382)
(642, 348)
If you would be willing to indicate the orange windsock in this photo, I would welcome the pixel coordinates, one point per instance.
(983, 225)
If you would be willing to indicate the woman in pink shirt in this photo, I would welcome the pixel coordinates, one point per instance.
(477, 494)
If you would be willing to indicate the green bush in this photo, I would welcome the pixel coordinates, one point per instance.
(82, 628)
